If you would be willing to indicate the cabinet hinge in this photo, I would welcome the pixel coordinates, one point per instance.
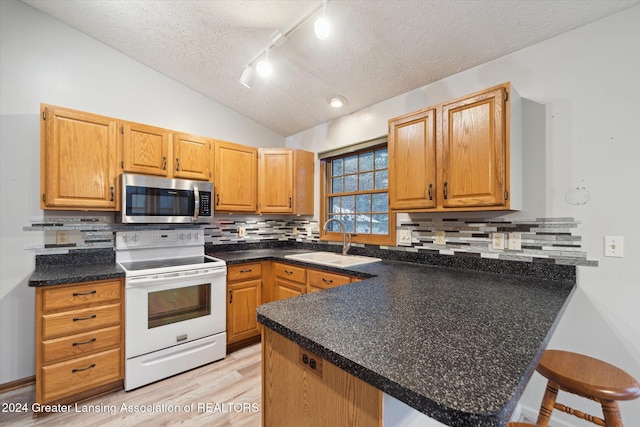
(44, 115)
(44, 197)
(506, 95)
(506, 194)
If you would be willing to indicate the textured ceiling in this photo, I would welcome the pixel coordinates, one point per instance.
(377, 49)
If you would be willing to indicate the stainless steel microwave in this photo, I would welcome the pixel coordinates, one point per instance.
(149, 199)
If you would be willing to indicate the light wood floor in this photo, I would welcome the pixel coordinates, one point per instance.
(230, 388)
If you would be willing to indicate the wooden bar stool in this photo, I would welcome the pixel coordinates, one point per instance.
(587, 377)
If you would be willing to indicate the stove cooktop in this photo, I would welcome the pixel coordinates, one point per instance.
(187, 262)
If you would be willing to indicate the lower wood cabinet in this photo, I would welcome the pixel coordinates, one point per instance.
(318, 280)
(79, 340)
(299, 388)
(289, 280)
(244, 295)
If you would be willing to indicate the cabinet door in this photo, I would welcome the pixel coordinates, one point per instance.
(275, 179)
(412, 161)
(78, 160)
(144, 149)
(286, 289)
(472, 156)
(192, 157)
(236, 177)
(243, 298)
(294, 393)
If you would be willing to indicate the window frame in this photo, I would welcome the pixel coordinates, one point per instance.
(368, 238)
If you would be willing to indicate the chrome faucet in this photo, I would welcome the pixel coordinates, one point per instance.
(345, 245)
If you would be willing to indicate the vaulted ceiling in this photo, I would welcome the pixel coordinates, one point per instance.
(377, 49)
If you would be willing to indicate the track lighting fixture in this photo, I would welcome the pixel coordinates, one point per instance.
(264, 67)
(322, 27)
(247, 76)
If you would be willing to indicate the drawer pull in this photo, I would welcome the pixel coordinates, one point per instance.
(326, 280)
(74, 370)
(77, 294)
(93, 316)
(84, 342)
(246, 271)
(288, 272)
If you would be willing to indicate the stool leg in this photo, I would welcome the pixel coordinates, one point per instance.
(611, 412)
(546, 407)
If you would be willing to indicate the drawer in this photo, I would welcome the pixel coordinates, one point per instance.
(69, 297)
(80, 344)
(290, 272)
(77, 375)
(82, 320)
(326, 280)
(244, 271)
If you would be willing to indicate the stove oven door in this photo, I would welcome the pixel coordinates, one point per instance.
(165, 310)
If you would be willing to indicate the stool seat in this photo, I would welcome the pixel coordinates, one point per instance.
(588, 376)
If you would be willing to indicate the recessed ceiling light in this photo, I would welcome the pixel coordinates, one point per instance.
(337, 101)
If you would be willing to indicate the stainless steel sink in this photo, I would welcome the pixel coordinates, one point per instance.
(333, 260)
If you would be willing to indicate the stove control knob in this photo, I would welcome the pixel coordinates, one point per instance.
(189, 236)
(134, 238)
(125, 238)
(181, 236)
(196, 236)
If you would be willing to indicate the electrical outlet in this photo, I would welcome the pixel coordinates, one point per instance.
(439, 240)
(497, 241)
(62, 237)
(242, 231)
(514, 241)
(613, 246)
(309, 232)
(294, 231)
(403, 237)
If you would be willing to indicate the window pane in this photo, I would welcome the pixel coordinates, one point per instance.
(348, 223)
(336, 185)
(380, 223)
(366, 181)
(334, 204)
(363, 203)
(348, 204)
(382, 179)
(363, 223)
(351, 164)
(336, 167)
(380, 202)
(366, 162)
(350, 183)
(333, 225)
(382, 159)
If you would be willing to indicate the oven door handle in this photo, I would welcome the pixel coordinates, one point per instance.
(196, 203)
(172, 277)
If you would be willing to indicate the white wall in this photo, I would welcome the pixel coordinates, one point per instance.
(588, 81)
(43, 60)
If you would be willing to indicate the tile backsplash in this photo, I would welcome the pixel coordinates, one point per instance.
(543, 240)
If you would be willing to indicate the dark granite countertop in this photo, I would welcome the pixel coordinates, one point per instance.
(456, 345)
(75, 267)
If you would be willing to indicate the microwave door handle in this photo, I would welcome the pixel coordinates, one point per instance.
(196, 203)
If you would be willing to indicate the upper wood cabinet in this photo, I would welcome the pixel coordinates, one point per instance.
(412, 160)
(145, 149)
(285, 181)
(235, 177)
(468, 161)
(78, 160)
(192, 157)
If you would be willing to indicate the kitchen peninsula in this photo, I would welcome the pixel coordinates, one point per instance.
(454, 344)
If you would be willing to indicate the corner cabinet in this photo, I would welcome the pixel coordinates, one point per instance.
(78, 160)
(236, 177)
(462, 155)
(285, 178)
(79, 340)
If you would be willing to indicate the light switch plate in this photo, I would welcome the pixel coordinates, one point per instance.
(613, 246)
(403, 237)
(242, 231)
(514, 241)
(294, 231)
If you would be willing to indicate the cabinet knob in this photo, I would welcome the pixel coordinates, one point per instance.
(77, 294)
(327, 280)
(93, 365)
(230, 297)
(112, 194)
(164, 163)
(429, 191)
(84, 342)
(177, 164)
(93, 316)
(444, 190)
